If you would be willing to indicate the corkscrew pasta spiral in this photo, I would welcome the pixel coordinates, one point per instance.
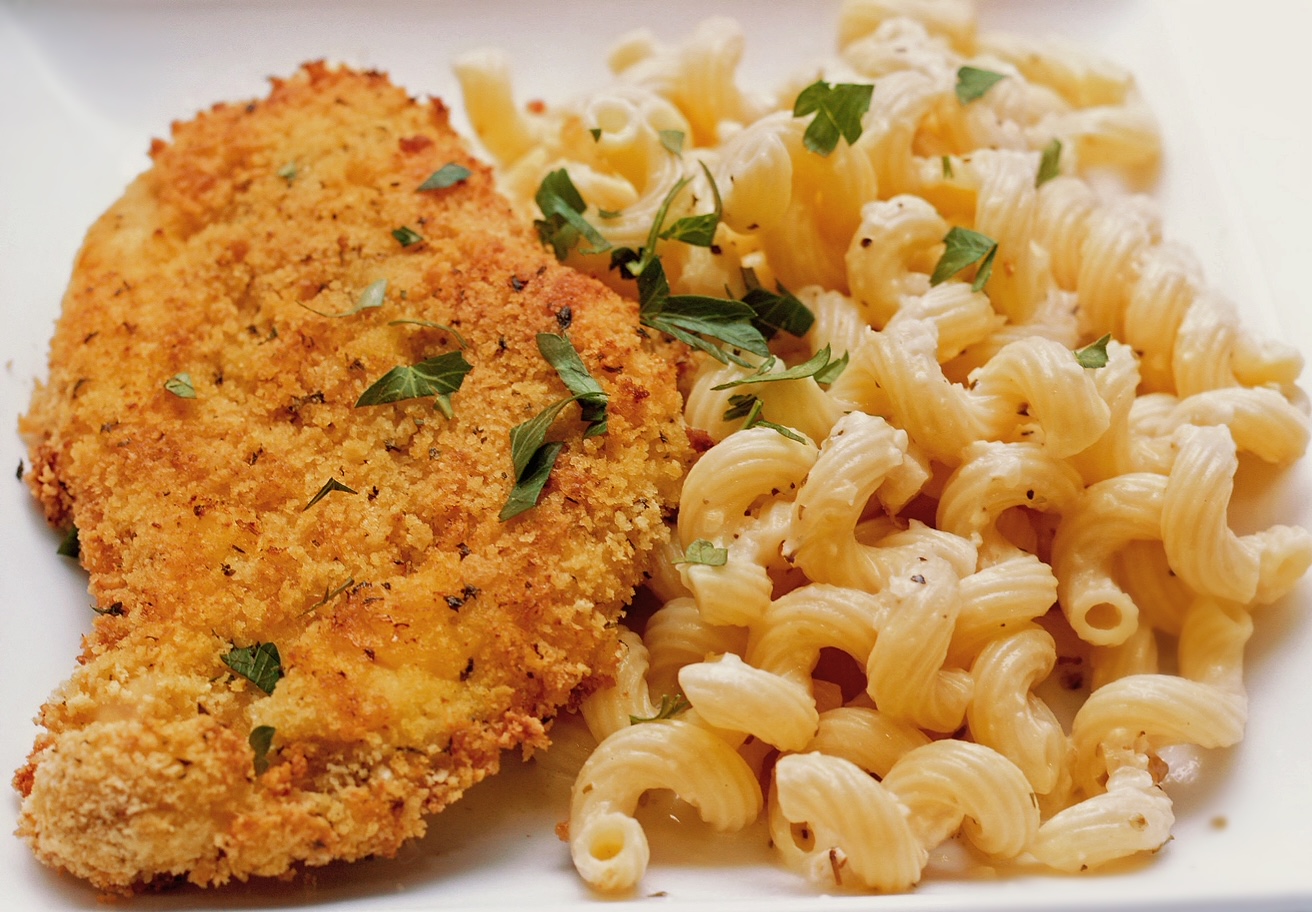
(1020, 478)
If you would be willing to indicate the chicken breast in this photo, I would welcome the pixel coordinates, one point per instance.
(248, 525)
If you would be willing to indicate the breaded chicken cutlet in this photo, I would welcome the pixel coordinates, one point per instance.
(200, 430)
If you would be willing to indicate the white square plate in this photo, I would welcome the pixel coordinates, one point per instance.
(85, 85)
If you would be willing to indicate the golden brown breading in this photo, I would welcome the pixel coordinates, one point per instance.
(419, 635)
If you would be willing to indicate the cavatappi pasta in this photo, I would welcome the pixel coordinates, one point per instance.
(968, 504)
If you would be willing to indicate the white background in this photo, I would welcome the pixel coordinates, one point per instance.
(83, 88)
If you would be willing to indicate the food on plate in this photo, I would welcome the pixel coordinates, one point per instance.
(362, 479)
(987, 454)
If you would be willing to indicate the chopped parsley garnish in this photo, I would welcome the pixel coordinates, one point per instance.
(672, 140)
(1095, 355)
(973, 82)
(740, 406)
(528, 438)
(750, 409)
(261, 740)
(561, 354)
(697, 230)
(670, 707)
(1050, 164)
(965, 248)
(704, 552)
(810, 368)
(404, 321)
(776, 310)
(407, 236)
(440, 377)
(260, 664)
(531, 455)
(330, 594)
(181, 386)
(596, 134)
(288, 172)
(530, 481)
(69, 546)
(332, 484)
(448, 175)
(947, 167)
(833, 370)
(689, 317)
(838, 111)
(371, 297)
(562, 222)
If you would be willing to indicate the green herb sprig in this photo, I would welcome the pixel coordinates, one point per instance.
(1049, 163)
(751, 410)
(670, 707)
(261, 740)
(1094, 356)
(407, 236)
(181, 386)
(964, 249)
(332, 484)
(446, 176)
(704, 552)
(260, 664)
(440, 377)
(562, 223)
(778, 310)
(838, 110)
(372, 297)
(973, 83)
(818, 365)
(561, 354)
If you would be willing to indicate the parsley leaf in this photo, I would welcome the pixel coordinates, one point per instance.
(288, 172)
(562, 222)
(1095, 355)
(407, 236)
(833, 370)
(528, 438)
(561, 354)
(260, 740)
(697, 230)
(973, 82)
(669, 708)
(371, 297)
(440, 377)
(672, 140)
(181, 386)
(260, 664)
(448, 175)
(332, 484)
(740, 406)
(596, 134)
(1050, 164)
(689, 317)
(704, 552)
(69, 546)
(777, 310)
(965, 248)
(751, 409)
(531, 480)
(809, 368)
(330, 594)
(838, 111)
